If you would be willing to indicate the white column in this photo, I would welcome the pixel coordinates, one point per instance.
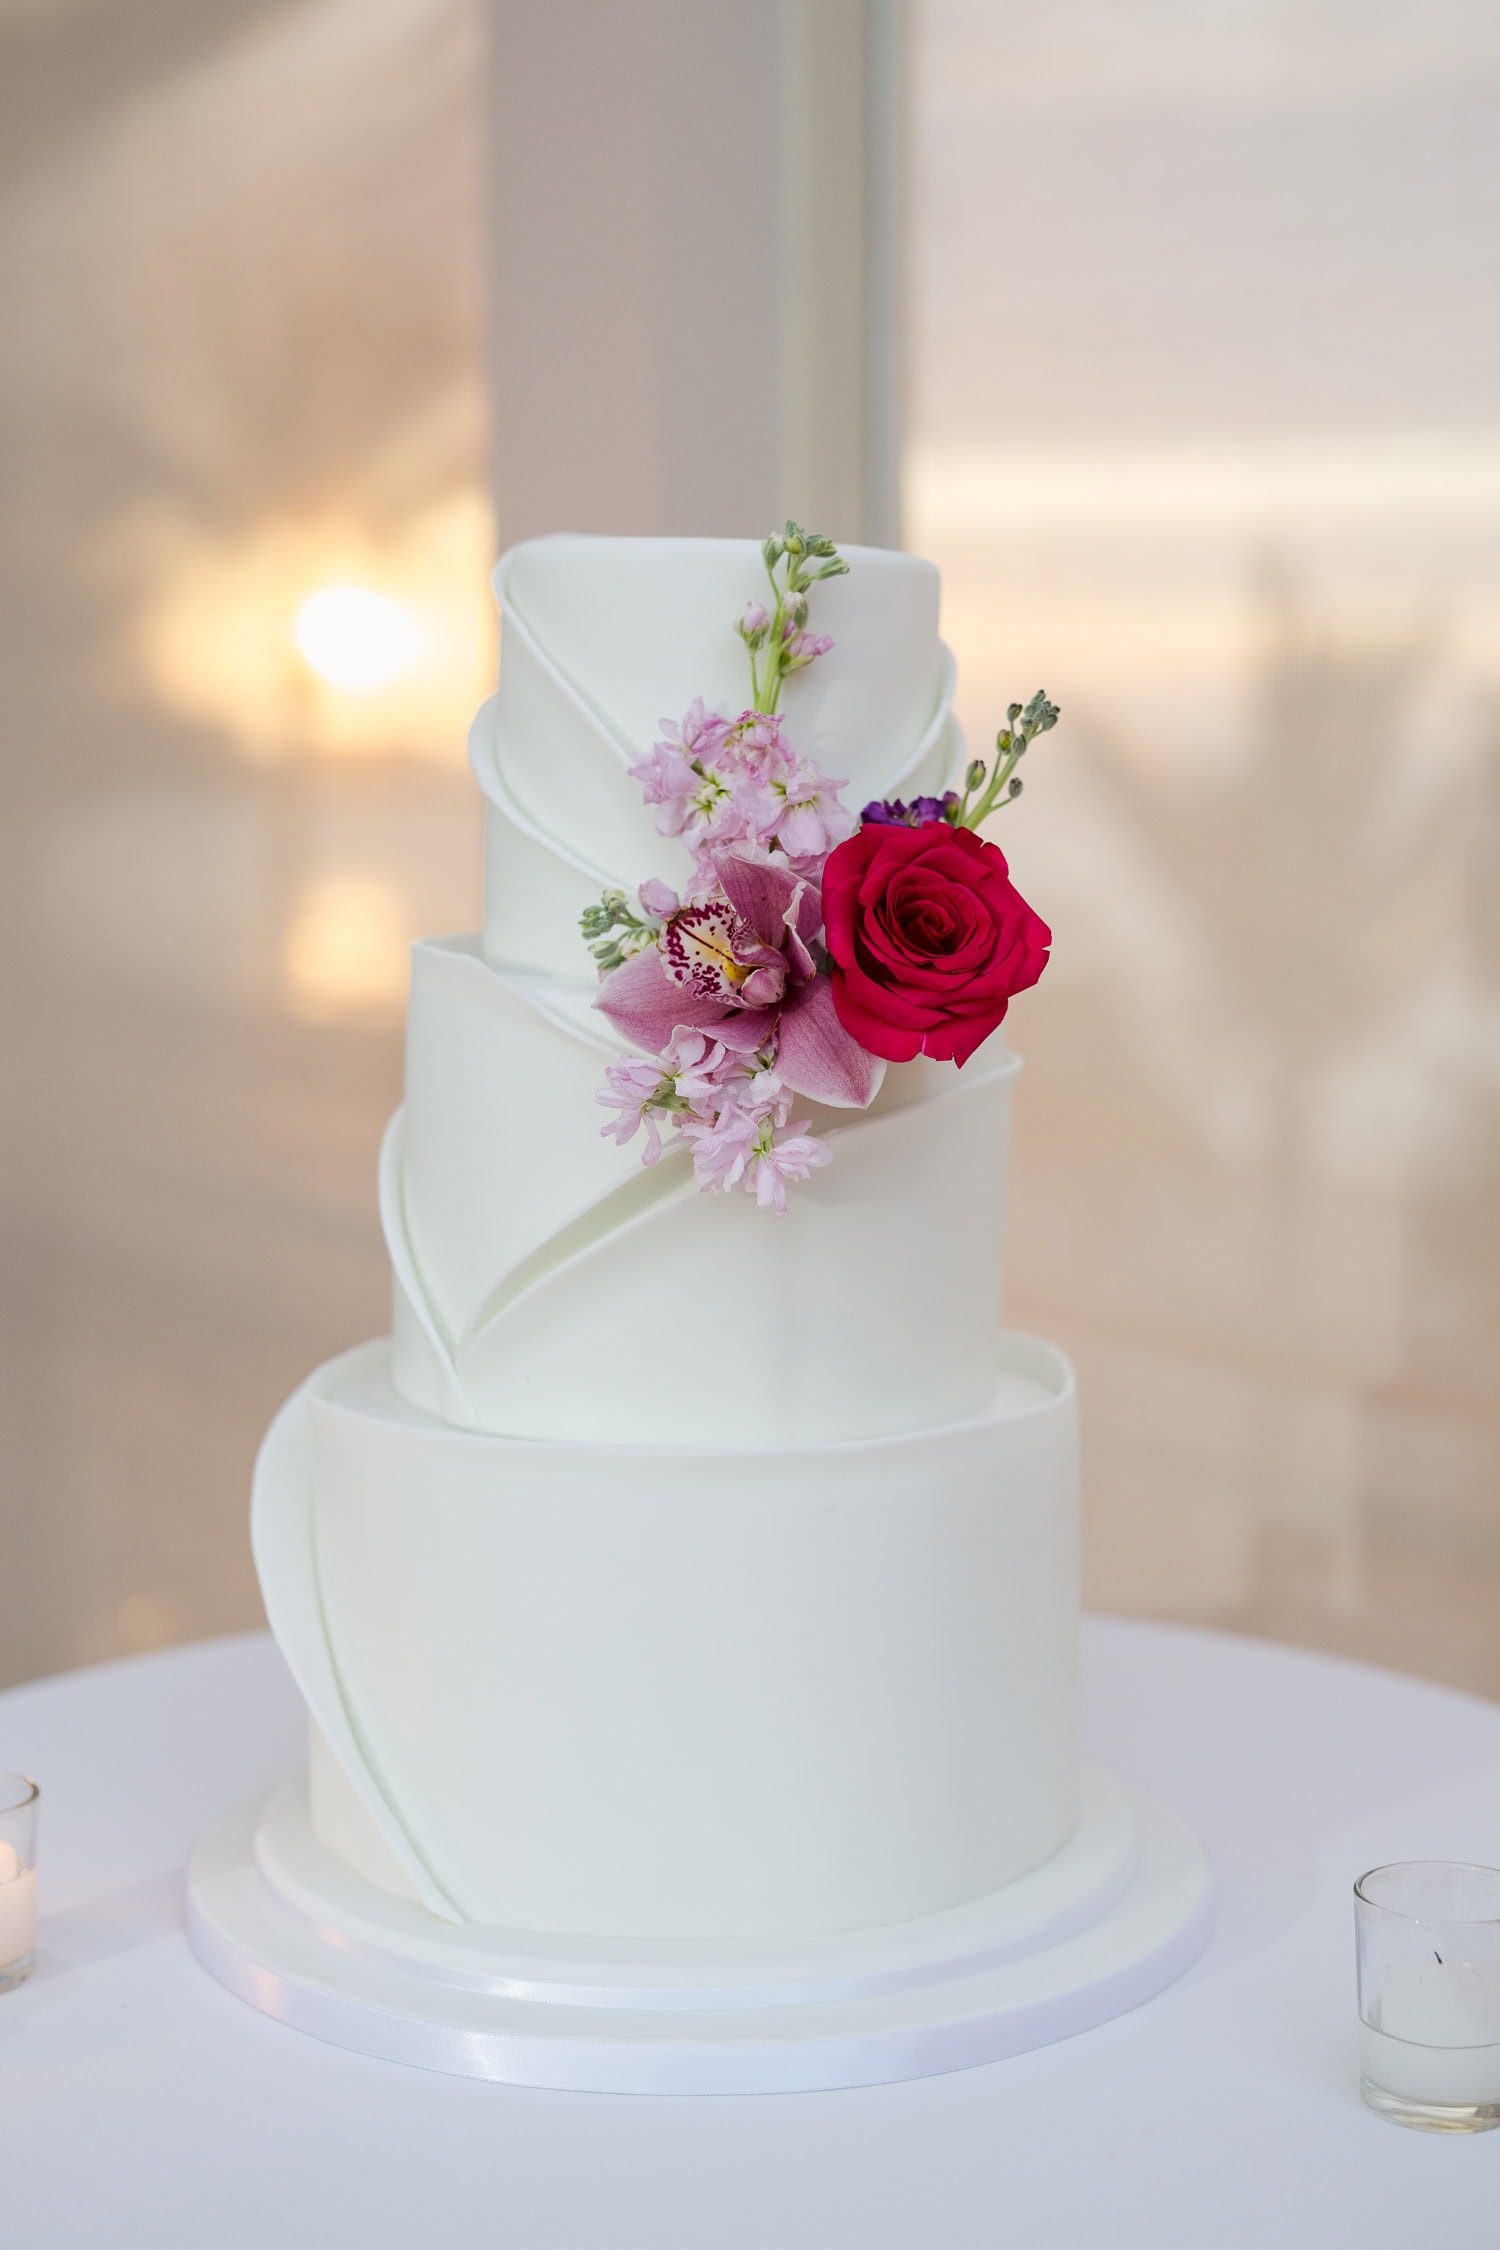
(695, 266)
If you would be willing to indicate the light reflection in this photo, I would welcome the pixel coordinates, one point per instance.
(324, 636)
(356, 639)
(345, 953)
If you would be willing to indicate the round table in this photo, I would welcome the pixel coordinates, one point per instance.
(141, 2104)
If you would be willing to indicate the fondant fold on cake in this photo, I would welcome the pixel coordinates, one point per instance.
(442, 1394)
(283, 1541)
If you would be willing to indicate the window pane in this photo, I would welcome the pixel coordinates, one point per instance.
(1206, 441)
(240, 367)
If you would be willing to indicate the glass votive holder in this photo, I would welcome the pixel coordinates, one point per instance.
(19, 1798)
(1427, 1941)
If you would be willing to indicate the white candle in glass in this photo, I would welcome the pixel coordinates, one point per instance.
(17, 1907)
(1428, 1943)
(1437, 2038)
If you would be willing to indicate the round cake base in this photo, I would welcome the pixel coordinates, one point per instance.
(1119, 1913)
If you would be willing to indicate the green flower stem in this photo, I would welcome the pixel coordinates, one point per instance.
(995, 791)
(798, 549)
(1024, 724)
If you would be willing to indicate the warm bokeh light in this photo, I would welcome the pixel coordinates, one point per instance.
(346, 951)
(357, 639)
(325, 635)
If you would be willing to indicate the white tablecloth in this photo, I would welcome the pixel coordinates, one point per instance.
(141, 2105)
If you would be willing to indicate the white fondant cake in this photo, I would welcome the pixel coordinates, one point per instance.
(679, 1574)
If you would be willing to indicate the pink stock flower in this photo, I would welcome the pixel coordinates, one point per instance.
(721, 1146)
(631, 1087)
(704, 1070)
(795, 1158)
(701, 734)
(717, 782)
(811, 820)
(769, 1095)
(677, 776)
(785, 798)
(740, 1146)
(756, 735)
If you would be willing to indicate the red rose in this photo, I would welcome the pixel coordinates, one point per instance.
(927, 938)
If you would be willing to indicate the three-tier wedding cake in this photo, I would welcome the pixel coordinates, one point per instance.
(685, 1595)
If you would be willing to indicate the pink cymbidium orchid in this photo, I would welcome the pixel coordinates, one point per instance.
(742, 966)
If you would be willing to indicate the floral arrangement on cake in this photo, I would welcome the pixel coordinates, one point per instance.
(807, 948)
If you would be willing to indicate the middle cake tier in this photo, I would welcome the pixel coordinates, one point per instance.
(547, 1285)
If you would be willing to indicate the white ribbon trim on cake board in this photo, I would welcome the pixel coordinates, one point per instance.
(245, 1936)
(954, 1942)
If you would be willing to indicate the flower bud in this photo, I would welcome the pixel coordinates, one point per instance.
(658, 898)
(753, 625)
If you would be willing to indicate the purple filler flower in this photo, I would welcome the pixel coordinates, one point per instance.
(892, 813)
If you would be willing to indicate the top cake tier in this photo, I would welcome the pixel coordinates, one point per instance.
(604, 638)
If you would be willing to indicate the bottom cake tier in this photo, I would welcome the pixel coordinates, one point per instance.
(654, 1694)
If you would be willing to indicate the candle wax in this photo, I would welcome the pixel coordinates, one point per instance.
(1443, 2077)
(17, 1908)
(1437, 2038)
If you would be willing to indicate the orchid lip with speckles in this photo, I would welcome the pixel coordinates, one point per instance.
(698, 951)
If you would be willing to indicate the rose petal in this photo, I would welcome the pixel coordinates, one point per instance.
(876, 1033)
(958, 1039)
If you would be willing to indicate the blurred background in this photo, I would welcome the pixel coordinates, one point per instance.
(1199, 345)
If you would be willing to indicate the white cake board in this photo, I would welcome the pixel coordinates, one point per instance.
(1104, 1926)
